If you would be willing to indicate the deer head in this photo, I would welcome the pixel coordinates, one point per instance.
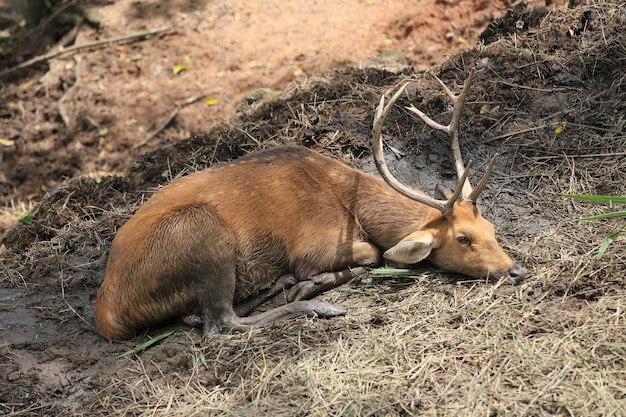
(457, 238)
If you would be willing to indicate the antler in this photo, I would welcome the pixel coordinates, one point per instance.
(382, 112)
(452, 130)
(463, 188)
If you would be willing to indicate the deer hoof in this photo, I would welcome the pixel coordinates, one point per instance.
(325, 310)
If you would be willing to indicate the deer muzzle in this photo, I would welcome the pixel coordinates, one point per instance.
(516, 274)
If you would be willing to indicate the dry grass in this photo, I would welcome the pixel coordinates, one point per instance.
(10, 214)
(440, 350)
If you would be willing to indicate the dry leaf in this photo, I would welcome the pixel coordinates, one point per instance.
(180, 68)
(7, 142)
(560, 129)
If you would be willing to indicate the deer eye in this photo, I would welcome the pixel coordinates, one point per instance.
(463, 240)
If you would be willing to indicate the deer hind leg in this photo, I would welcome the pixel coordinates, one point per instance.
(225, 323)
(219, 315)
(289, 311)
(225, 320)
(237, 321)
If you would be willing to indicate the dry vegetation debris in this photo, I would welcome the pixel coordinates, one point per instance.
(427, 345)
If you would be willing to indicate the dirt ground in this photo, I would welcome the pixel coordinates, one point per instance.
(549, 97)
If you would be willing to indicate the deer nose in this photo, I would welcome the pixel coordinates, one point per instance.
(516, 274)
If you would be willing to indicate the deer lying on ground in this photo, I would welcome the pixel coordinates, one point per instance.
(219, 242)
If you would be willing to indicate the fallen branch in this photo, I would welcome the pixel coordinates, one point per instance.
(53, 54)
(514, 133)
(150, 135)
(11, 19)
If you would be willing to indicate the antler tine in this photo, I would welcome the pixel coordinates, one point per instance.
(458, 101)
(483, 181)
(458, 104)
(382, 111)
(459, 188)
(452, 129)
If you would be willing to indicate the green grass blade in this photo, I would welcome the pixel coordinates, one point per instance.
(605, 216)
(151, 341)
(604, 246)
(608, 240)
(27, 219)
(605, 199)
(394, 272)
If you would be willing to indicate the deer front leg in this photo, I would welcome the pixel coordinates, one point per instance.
(348, 255)
(248, 305)
(308, 289)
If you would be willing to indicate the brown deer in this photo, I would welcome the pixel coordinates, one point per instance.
(219, 242)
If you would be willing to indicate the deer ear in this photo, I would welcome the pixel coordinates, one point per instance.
(412, 249)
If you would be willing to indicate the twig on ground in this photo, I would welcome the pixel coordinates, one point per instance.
(70, 307)
(53, 54)
(9, 18)
(514, 133)
(590, 155)
(150, 135)
(549, 117)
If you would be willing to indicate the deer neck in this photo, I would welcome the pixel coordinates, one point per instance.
(387, 216)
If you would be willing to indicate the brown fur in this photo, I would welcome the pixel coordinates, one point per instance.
(217, 237)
